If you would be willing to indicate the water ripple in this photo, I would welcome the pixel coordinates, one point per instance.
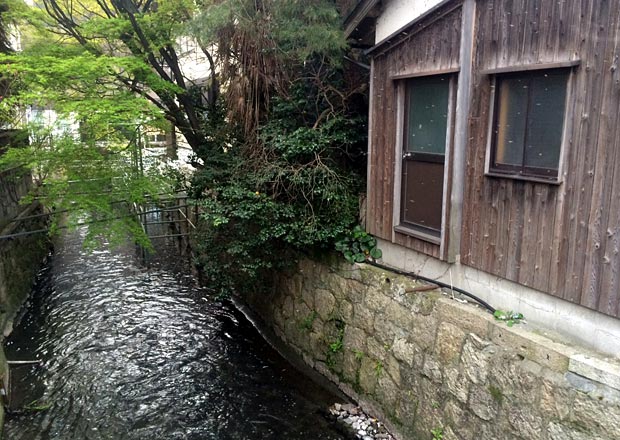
(130, 353)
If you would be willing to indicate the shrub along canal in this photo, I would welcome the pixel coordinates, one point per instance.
(129, 352)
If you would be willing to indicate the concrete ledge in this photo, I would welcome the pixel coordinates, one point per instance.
(606, 373)
(586, 327)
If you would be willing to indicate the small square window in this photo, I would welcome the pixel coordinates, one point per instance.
(528, 123)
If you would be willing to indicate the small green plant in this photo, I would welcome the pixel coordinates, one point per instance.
(435, 405)
(37, 405)
(359, 355)
(308, 321)
(496, 393)
(511, 318)
(358, 246)
(336, 345)
(379, 368)
(437, 433)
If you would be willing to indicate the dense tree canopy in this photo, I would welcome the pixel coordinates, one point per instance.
(273, 125)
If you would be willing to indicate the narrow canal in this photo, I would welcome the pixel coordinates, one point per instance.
(130, 352)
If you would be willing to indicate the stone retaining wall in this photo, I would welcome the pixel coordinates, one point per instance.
(423, 360)
(20, 257)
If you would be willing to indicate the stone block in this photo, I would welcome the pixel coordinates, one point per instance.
(403, 351)
(376, 300)
(466, 316)
(597, 414)
(350, 365)
(386, 392)
(349, 290)
(596, 369)
(525, 421)
(302, 311)
(482, 403)
(461, 421)
(288, 307)
(557, 431)
(580, 383)
(376, 278)
(449, 343)
(345, 310)
(519, 380)
(368, 375)
(324, 303)
(392, 368)
(318, 346)
(555, 396)
(432, 370)
(385, 331)
(307, 295)
(376, 349)
(350, 271)
(354, 339)
(456, 384)
(532, 346)
(364, 318)
(424, 331)
(297, 282)
(407, 407)
(475, 359)
(398, 315)
(448, 434)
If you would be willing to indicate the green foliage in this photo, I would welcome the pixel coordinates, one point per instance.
(279, 154)
(297, 30)
(37, 406)
(510, 318)
(437, 433)
(496, 393)
(358, 245)
(359, 355)
(308, 321)
(93, 185)
(378, 368)
(335, 346)
(293, 193)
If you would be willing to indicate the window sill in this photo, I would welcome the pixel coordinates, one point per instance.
(418, 234)
(533, 179)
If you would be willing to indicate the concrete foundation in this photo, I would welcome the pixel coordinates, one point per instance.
(552, 315)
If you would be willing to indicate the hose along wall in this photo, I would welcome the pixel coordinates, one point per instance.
(438, 283)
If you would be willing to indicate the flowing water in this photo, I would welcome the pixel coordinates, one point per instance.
(134, 353)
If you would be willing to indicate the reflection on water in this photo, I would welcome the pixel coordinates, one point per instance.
(131, 353)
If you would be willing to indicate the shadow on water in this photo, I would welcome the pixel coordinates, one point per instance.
(130, 352)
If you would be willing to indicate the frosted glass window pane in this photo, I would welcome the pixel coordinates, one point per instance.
(510, 126)
(528, 123)
(427, 111)
(545, 122)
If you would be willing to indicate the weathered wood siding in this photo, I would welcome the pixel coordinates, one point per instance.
(436, 47)
(561, 239)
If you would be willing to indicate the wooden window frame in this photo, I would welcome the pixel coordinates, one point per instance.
(421, 232)
(514, 172)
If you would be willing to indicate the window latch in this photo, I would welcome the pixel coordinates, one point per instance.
(408, 155)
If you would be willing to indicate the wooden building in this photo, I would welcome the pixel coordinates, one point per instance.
(494, 142)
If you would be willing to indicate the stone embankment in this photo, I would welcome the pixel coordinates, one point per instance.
(428, 365)
(20, 255)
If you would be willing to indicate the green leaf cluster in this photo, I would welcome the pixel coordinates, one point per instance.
(263, 208)
(358, 246)
(510, 318)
